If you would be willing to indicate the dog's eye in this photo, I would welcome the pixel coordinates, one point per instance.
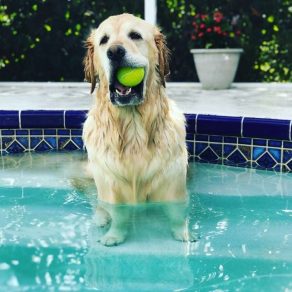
(135, 35)
(104, 40)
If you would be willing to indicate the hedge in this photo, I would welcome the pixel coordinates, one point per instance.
(43, 40)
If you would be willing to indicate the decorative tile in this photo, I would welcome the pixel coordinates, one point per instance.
(277, 168)
(9, 119)
(191, 123)
(208, 153)
(274, 143)
(50, 132)
(266, 161)
(257, 152)
(190, 147)
(246, 141)
(288, 166)
(51, 141)
(230, 140)
(217, 149)
(219, 125)
(78, 132)
(74, 119)
(287, 160)
(266, 158)
(287, 144)
(218, 139)
(275, 153)
(79, 142)
(259, 142)
(42, 119)
(202, 138)
(287, 155)
(70, 146)
(6, 141)
(266, 128)
(23, 141)
(62, 142)
(237, 155)
(15, 147)
(8, 132)
(189, 136)
(21, 132)
(43, 146)
(63, 132)
(200, 147)
(228, 149)
(36, 132)
(34, 141)
(213, 139)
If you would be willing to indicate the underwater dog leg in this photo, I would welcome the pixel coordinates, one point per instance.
(118, 230)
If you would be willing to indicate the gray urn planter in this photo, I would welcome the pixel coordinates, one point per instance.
(216, 68)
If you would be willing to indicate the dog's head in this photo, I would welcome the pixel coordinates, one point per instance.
(125, 41)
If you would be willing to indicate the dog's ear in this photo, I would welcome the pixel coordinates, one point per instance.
(88, 63)
(163, 56)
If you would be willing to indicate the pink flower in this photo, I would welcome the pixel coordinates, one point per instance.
(195, 26)
(200, 34)
(217, 16)
(209, 29)
(217, 29)
(202, 25)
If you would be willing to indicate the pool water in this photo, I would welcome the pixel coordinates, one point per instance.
(48, 239)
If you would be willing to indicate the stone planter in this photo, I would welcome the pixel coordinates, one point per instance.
(216, 68)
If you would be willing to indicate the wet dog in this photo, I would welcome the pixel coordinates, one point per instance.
(135, 136)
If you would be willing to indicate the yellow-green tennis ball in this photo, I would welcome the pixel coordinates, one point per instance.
(130, 77)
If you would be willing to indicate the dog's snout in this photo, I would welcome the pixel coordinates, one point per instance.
(116, 52)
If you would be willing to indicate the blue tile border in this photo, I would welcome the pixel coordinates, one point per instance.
(266, 128)
(239, 141)
(74, 119)
(42, 119)
(228, 126)
(219, 125)
(9, 119)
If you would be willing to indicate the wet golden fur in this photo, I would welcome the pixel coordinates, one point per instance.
(136, 153)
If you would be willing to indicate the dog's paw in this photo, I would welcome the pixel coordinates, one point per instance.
(101, 218)
(112, 239)
(184, 235)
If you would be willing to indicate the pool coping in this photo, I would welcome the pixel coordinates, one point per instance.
(266, 128)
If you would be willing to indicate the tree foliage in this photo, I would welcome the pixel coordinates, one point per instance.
(266, 25)
(42, 40)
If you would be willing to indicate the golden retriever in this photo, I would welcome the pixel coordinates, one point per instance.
(134, 136)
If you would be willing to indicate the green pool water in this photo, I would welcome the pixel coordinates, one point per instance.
(48, 240)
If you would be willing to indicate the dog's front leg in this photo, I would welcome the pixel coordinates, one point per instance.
(118, 230)
(176, 212)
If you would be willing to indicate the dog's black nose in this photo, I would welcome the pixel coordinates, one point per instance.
(116, 52)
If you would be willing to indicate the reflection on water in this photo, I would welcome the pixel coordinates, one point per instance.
(49, 240)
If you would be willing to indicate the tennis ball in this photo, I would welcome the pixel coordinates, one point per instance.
(130, 77)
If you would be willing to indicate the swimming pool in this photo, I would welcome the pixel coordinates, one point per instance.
(48, 240)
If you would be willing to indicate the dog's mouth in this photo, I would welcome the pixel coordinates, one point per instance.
(122, 95)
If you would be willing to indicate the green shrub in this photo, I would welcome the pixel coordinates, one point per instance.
(42, 40)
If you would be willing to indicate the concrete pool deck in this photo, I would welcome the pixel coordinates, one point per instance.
(260, 100)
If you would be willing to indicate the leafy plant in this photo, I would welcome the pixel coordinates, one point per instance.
(42, 40)
(215, 30)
